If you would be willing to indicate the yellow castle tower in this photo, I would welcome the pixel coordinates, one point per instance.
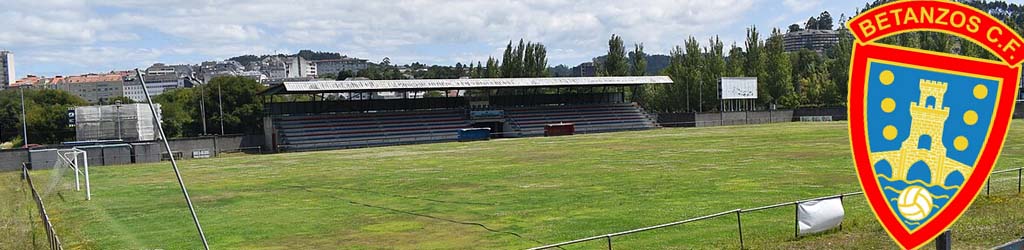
(924, 143)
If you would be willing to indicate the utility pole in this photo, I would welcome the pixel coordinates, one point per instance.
(202, 100)
(221, 107)
(117, 117)
(24, 127)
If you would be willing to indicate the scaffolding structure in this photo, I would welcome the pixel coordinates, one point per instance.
(127, 122)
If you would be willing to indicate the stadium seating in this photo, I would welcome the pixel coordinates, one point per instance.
(349, 130)
(530, 121)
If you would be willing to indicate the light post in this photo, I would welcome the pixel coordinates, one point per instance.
(25, 120)
(221, 107)
(117, 117)
(24, 128)
(202, 100)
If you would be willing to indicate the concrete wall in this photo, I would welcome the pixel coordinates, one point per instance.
(138, 152)
(11, 159)
(837, 113)
(727, 118)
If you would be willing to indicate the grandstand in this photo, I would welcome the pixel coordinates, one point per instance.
(366, 113)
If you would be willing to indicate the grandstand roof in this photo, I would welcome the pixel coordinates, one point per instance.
(444, 84)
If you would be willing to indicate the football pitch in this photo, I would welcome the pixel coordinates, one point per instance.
(501, 194)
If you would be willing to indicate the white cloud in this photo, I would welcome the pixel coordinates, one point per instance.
(406, 31)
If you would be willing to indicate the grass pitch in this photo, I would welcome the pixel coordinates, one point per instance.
(503, 194)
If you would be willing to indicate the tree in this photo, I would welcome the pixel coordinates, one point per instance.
(812, 24)
(778, 69)
(507, 61)
(755, 61)
(116, 100)
(714, 69)
(540, 60)
(677, 92)
(492, 68)
(344, 74)
(824, 21)
(638, 60)
(526, 60)
(615, 63)
(179, 112)
(243, 108)
(45, 111)
(735, 62)
(479, 70)
(517, 60)
(794, 28)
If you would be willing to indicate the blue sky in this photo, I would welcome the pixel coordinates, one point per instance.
(68, 37)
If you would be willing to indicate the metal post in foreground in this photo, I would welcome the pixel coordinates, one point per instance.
(24, 128)
(796, 220)
(170, 155)
(739, 226)
(944, 241)
(988, 186)
(85, 159)
(1020, 173)
(609, 237)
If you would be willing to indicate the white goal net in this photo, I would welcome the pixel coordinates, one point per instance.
(77, 161)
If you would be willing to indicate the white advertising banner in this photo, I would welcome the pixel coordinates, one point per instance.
(818, 216)
(739, 88)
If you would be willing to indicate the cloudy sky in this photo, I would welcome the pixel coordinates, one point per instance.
(66, 37)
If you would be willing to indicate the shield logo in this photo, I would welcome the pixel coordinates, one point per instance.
(926, 128)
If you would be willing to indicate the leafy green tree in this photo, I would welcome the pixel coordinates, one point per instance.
(778, 69)
(811, 24)
(344, 74)
(493, 70)
(180, 112)
(506, 61)
(46, 113)
(824, 21)
(839, 67)
(526, 60)
(615, 63)
(638, 60)
(736, 62)
(714, 69)
(794, 28)
(755, 61)
(115, 100)
(242, 106)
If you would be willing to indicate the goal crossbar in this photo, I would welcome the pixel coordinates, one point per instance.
(70, 156)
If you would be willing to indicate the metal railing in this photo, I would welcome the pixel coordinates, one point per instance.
(51, 234)
(1020, 178)
(737, 212)
(739, 215)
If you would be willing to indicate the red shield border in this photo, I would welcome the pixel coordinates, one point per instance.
(858, 136)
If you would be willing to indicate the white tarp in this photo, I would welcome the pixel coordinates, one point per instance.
(739, 88)
(818, 216)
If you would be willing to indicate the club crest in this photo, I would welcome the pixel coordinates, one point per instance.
(926, 127)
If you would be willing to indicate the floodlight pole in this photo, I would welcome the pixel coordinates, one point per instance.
(174, 164)
(202, 100)
(221, 107)
(24, 121)
(24, 128)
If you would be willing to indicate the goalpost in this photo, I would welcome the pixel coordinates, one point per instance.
(69, 158)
